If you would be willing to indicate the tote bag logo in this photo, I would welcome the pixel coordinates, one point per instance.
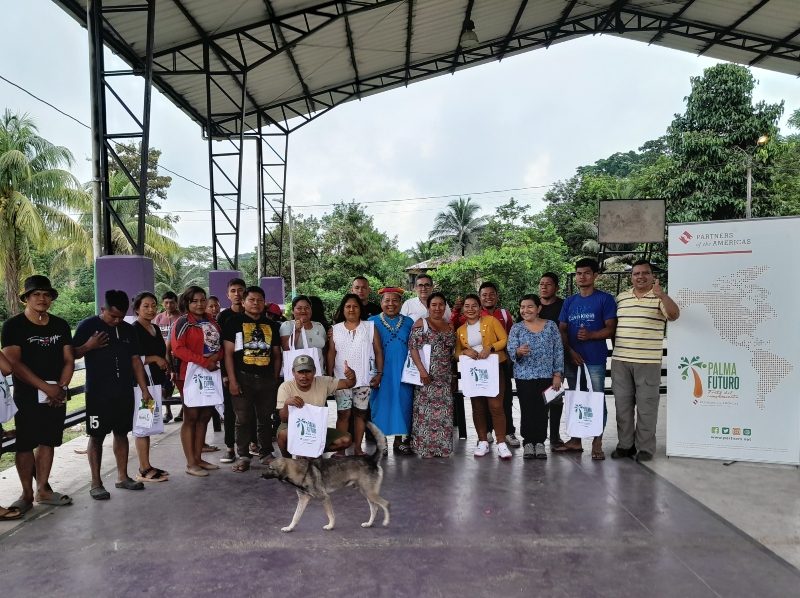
(583, 411)
(480, 375)
(306, 427)
(204, 382)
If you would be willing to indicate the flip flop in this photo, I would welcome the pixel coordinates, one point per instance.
(209, 448)
(18, 508)
(99, 493)
(57, 499)
(565, 448)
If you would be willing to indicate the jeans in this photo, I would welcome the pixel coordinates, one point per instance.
(257, 401)
(598, 375)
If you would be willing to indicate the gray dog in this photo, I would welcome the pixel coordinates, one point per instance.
(317, 478)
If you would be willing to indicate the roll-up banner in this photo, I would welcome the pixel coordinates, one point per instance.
(734, 354)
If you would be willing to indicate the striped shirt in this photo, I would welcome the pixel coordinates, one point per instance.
(640, 328)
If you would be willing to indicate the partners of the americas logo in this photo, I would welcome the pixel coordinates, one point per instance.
(719, 377)
(685, 237)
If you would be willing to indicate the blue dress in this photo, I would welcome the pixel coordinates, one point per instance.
(391, 402)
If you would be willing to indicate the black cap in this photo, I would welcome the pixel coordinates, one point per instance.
(37, 282)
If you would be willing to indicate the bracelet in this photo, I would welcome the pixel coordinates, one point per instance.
(381, 373)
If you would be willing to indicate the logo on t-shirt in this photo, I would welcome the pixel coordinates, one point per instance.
(44, 341)
(257, 339)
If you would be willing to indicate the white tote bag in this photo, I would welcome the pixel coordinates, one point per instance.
(289, 356)
(307, 428)
(7, 406)
(479, 377)
(410, 373)
(147, 416)
(201, 387)
(584, 409)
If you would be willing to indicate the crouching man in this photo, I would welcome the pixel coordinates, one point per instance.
(313, 390)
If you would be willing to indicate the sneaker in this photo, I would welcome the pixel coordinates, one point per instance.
(489, 437)
(502, 451)
(528, 451)
(512, 440)
(228, 457)
(540, 452)
(481, 448)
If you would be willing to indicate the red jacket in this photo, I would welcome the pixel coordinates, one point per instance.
(187, 342)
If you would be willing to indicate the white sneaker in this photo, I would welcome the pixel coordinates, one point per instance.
(502, 451)
(512, 440)
(481, 449)
(528, 451)
(489, 437)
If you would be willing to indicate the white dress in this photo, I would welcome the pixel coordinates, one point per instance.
(354, 347)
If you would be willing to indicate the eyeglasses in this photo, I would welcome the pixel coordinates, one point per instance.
(424, 285)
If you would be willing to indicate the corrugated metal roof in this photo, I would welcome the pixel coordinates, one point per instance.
(299, 62)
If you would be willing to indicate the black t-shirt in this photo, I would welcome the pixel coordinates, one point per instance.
(371, 309)
(226, 315)
(42, 347)
(552, 311)
(253, 341)
(150, 344)
(109, 371)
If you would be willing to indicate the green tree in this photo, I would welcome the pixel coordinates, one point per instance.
(157, 184)
(711, 144)
(35, 191)
(786, 180)
(459, 225)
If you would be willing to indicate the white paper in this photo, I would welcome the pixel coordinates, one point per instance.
(42, 396)
(551, 394)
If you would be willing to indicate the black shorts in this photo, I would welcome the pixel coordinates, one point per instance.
(109, 414)
(38, 424)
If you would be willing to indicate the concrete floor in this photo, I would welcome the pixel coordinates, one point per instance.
(567, 526)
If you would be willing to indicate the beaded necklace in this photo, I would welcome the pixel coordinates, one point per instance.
(393, 329)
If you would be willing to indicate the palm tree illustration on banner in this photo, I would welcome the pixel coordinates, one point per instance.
(687, 366)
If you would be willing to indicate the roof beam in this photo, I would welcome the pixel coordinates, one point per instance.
(613, 12)
(562, 19)
(512, 31)
(409, 33)
(457, 51)
(676, 15)
(733, 26)
(351, 47)
(772, 47)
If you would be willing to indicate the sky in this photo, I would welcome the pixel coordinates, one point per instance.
(491, 132)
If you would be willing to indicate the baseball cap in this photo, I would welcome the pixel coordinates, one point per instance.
(303, 363)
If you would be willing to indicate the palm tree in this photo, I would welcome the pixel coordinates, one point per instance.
(460, 224)
(34, 192)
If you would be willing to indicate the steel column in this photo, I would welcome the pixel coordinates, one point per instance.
(272, 155)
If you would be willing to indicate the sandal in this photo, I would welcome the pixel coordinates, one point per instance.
(240, 466)
(197, 471)
(208, 466)
(9, 514)
(18, 508)
(152, 475)
(597, 451)
(401, 449)
(568, 448)
(129, 484)
(99, 493)
(209, 448)
(56, 499)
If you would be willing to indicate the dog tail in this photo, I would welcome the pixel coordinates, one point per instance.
(380, 442)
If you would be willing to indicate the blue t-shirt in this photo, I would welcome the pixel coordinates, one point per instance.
(109, 370)
(591, 313)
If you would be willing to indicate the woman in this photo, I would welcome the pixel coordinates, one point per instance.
(478, 338)
(292, 330)
(154, 350)
(195, 339)
(354, 342)
(534, 345)
(213, 307)
(432, 425)
(390, 404)
(318, 312)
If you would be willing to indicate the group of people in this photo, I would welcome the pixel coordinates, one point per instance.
(360, 360)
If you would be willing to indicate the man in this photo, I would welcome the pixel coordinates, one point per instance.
(165, 320)
(112, 365)
(38, 347)
(361, 288)
(417, 307)
(253, 365)
(587, 319)
(307, 388)
(551, 309)
(642, 314)
(489, 297)
(235, 292)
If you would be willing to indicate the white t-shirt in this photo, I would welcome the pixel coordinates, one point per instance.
(414, 309)
(316, 336)
(354, 347)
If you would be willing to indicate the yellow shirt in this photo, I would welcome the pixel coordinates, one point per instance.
(641, 323)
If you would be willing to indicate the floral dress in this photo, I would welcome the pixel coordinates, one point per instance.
(432, 418)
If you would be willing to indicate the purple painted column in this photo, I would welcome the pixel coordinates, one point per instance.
(130, 273)
(218, 285)
(274, 290)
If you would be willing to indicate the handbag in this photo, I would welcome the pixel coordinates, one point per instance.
(8, 408)
(289, 356)
(202, 388)
(410, 373)
(307, 430)
(479, 377)
(147, 415)
(584, 409)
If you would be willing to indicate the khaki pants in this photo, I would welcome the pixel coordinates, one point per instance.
(635, 387)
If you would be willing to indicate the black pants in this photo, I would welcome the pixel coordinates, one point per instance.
(257, 402)
(229, 422)
(508, 396)
(533, 409)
